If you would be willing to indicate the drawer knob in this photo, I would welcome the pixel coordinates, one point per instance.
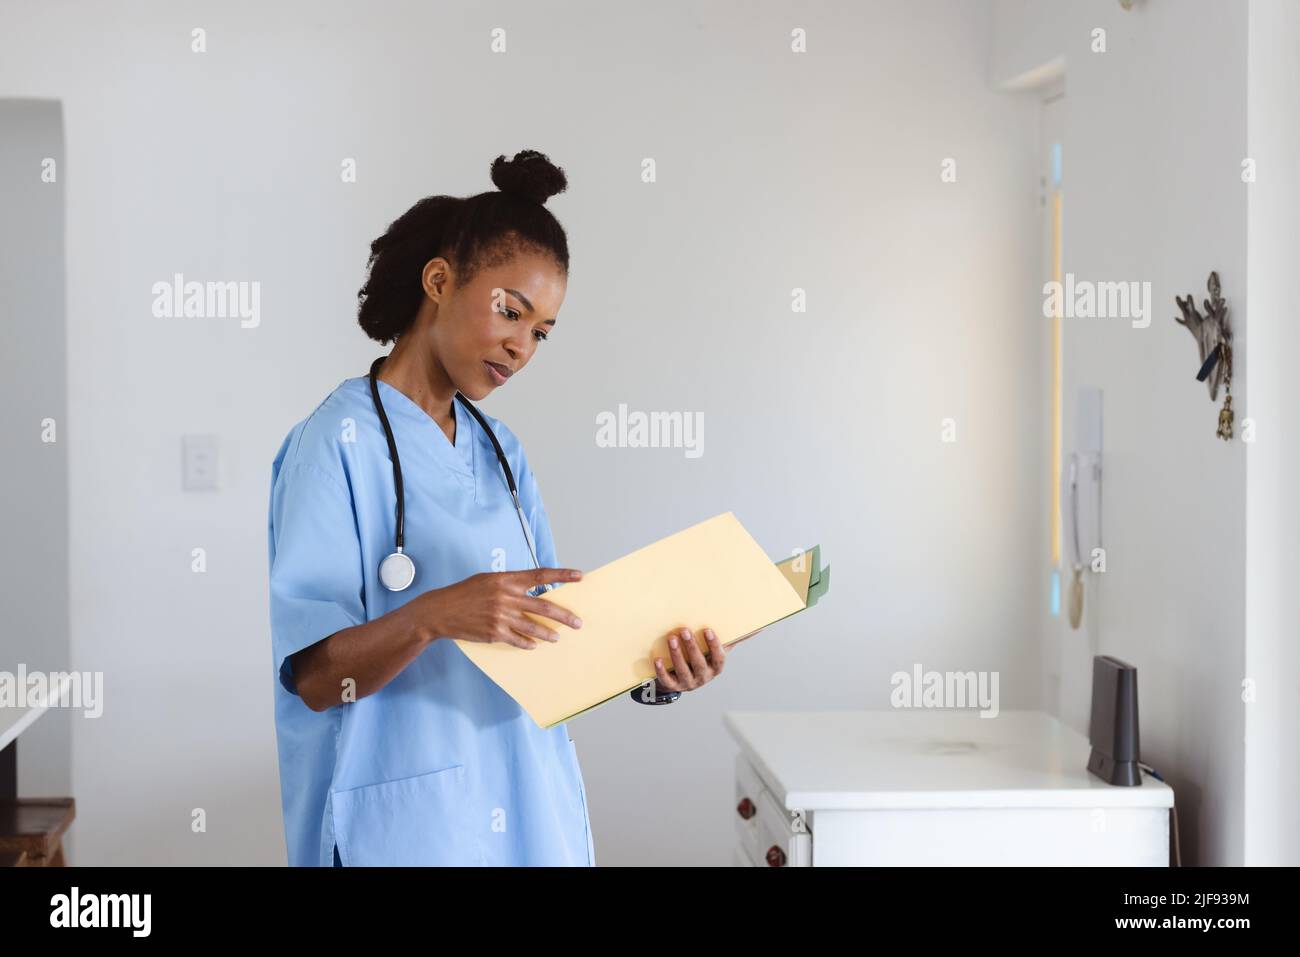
(746, 808)
(775, 856)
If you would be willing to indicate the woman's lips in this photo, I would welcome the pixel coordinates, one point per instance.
(498, 373)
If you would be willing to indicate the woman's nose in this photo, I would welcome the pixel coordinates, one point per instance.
(517, 345)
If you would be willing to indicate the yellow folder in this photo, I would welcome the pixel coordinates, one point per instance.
(710, 575)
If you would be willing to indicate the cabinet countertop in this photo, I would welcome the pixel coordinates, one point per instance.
(928, 759)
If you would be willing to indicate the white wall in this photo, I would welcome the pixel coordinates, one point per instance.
(776, 171)
(1155, 130)
(33, 389)
(1273, 460)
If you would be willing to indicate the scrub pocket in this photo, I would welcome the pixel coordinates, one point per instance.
(412, 822)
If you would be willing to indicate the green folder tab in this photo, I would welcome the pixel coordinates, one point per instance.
(806, 576)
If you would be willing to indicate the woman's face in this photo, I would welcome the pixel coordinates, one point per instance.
(484, 333)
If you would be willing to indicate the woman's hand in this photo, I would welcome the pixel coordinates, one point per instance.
(490, 607)
(692, 668)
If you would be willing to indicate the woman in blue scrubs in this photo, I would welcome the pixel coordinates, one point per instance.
(394, 747)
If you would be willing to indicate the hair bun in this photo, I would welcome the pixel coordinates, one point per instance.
(530, 174)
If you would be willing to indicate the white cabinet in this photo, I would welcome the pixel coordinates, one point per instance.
(912, 787)
(767, 834)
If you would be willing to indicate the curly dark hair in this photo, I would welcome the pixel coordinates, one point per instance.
(471, 233)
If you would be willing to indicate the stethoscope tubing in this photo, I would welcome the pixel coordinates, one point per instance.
(400, 536)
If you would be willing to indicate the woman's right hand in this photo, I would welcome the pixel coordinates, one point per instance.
(490, 607)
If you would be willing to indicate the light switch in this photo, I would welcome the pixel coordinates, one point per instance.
(199, 463)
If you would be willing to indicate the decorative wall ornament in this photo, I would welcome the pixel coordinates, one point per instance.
(1214, 342)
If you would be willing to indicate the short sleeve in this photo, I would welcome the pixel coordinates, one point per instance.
(317, 583)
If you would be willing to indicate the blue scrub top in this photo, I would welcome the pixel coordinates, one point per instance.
(440, 766)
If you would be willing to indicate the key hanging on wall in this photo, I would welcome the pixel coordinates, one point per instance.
(1214, 343)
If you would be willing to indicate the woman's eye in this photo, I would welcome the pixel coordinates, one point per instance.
(514, 315)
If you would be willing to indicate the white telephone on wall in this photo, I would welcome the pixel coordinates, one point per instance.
(1081, 498)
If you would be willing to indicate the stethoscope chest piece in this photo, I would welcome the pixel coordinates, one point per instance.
(397, 571)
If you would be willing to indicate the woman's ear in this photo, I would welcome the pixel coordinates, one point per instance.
(436, 278)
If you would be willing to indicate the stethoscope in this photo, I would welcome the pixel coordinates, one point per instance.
(397, 571)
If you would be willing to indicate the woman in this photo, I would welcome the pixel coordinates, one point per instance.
(395, 748)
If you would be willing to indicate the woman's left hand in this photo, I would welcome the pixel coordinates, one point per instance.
(691, 668)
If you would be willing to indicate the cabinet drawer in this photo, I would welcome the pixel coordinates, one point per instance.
(765, 830)
(748, 782)
(744, 809)
(779, 843)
